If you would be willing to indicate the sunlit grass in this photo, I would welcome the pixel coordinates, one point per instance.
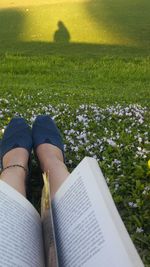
(41, 26)
(95, 22)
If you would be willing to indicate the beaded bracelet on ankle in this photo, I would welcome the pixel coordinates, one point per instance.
(15, 165)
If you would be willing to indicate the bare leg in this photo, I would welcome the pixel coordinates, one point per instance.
(15, 176)
(51, 159)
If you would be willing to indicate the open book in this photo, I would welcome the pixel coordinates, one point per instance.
(79, 227)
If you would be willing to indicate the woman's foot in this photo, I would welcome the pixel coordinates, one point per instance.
(47, 153)
(48, 147)
(16, 147)
(16, 176)
(51, 161)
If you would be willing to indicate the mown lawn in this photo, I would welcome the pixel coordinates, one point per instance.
(94, 79)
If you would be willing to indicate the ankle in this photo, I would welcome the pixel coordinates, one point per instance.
(15, 177)
(16, 156)
(48, 155)
(49, 163)
(11, 167)
(48, 149)
(13, 173)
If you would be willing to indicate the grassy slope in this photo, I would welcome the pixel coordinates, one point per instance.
(89, 22)
(110, 63)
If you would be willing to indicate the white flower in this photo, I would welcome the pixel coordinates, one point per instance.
(111, 142)
(141, 121)
(72, 131)
(146, 190)
(116, 161)
(140, 139)
(81, 118)
(107, 180)
(116, 187)
(132, 204)
(76, 149)
(139, 230)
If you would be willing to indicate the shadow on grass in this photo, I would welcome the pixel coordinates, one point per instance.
(11, 32)
(62, 35)
(11, 25)
(70, 49)
(130, 19)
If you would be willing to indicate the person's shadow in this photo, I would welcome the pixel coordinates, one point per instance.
(13, 39)
(62, 34)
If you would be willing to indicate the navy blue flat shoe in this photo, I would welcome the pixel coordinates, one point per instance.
(44, 130)
(17, 134)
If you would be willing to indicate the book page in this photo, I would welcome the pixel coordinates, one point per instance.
(21, 242)
(113, 213)
(86, 234)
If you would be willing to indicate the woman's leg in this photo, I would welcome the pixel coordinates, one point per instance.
(51, 159)
(15, 176)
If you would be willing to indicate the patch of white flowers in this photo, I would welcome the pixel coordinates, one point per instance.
(90, 130)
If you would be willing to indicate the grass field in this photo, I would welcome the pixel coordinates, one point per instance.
(87, 64)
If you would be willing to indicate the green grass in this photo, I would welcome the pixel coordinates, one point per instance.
(78, 79)
(88, 22)
(94, 27)
(105, 63)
